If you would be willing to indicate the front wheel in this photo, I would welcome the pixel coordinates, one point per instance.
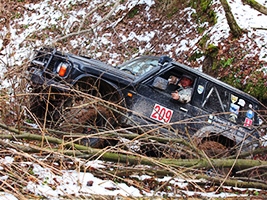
(93, 110)
(87, 118)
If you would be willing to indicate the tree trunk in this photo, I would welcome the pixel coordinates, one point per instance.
(125, 156)
(254, 4)
(235, 29)
(130, 159)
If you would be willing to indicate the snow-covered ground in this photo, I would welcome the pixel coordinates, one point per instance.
(77, 184)
(44, 16)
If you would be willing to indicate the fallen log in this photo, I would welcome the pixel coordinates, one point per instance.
(234, 183)
(165, 168)
(131, 159)
(118, 155)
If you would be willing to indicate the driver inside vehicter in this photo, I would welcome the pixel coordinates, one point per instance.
(184, 91)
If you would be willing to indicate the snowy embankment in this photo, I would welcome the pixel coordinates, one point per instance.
(36, 18)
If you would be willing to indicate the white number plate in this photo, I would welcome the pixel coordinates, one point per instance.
(161, 113)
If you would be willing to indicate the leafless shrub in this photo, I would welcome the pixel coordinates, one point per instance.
(147, 140)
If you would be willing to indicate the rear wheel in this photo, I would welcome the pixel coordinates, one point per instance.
(210, 140)
(213, 148)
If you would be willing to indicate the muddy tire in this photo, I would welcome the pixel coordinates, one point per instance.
(80, 110)
(213, 149)
(88, 114)
(213, 143)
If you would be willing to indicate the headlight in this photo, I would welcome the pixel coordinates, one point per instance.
(62, 69)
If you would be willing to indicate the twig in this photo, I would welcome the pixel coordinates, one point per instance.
(93, 26)
(88, 14)
(252, 168)
(259, 28)
(232, 167)
(248, 179)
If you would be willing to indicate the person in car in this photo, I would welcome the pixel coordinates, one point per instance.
(184, 92)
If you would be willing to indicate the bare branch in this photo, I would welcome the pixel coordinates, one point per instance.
(92, 26)
(257, 6)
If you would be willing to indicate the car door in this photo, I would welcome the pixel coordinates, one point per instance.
(153, 104)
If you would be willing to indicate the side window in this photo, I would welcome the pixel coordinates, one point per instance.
(233, 107)
(216, 99)
(177, 84)
(241, 111)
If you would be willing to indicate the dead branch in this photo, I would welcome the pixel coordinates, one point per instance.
(88, 14)
(247, 154)
(257, 6)
(259, 28)
(252, 168)
(234, 183)
(105, 18)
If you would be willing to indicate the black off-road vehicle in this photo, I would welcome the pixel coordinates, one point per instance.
(137, 93)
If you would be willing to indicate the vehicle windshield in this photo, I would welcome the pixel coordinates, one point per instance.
(139, 66)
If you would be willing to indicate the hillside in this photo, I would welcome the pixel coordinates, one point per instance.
(115, 32)
(39, 162)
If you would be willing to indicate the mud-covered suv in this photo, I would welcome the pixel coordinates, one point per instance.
(138, 93)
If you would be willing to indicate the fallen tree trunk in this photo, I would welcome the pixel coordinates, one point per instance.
(234, 183)
(131, 159)
(118, 155)
(166, 167)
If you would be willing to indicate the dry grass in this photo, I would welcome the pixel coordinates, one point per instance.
(58, 148)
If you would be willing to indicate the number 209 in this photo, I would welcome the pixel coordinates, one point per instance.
(161, 113)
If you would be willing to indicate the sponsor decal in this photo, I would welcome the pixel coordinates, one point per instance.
(250, 114)
(200, 89)
(241, 102)
(234, 108)
(248, 122)
(210, 120)
(233, 117)
(234, 98)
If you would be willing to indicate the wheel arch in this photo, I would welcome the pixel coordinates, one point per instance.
(108, 89)
(213, 133)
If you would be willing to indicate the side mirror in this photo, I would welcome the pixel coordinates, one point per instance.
(160, 83)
